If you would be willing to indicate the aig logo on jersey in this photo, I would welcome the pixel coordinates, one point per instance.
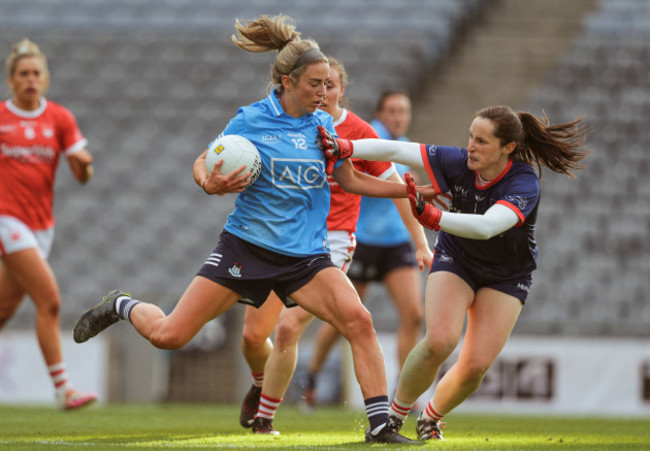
(295, 173)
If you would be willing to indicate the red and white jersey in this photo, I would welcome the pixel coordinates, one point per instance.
(344, 207)
(31, 143)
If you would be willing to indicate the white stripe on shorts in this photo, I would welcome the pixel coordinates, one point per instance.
(214, 259)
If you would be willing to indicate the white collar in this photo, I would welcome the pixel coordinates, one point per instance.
(25, 113)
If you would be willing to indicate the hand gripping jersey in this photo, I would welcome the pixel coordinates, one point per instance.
(285, 209)
(510, 254)
(31, 143)
(344, 207)
(380, 223)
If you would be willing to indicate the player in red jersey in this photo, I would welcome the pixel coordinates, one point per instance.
(34, 133)
(272, 380)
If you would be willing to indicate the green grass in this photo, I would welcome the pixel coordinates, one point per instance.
(188, 426)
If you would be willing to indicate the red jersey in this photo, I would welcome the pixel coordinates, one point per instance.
(344, 207)
(30, 145)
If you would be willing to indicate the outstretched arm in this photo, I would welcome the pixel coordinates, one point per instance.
(407, 153)
(356, 182)
(335, 149)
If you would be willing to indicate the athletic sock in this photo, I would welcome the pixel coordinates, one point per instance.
(124, 305)
(59, 376)
(258, 379)
(431, 413)
(377, 412)
(311, 380)
(268, 407)
(400, 409)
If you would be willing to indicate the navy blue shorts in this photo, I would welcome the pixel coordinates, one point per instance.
(371, 263)
(253, 271)
(517, 286)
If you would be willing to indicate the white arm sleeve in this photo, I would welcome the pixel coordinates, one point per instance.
(496, 220)
(403, 152)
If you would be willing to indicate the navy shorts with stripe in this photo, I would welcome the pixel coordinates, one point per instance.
(254, 272)
(475, 278)
(372, 263)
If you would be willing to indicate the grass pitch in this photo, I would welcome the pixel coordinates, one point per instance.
(190, 426)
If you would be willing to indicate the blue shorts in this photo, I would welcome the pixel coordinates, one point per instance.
(475, 278)
(371, 263)
(254, 272)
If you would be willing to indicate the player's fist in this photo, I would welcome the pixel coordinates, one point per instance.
(426, 214)
(334, 148)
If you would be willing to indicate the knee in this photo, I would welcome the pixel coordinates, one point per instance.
(287, 332)
(49, 307)
(357, 323)
(253, 338)
(438, 346)
(164, 338)
(412, 319)
(7, 310)
(472, 374)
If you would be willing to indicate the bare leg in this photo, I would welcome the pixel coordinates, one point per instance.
(331, 297)
(405, 288)
(447, 299)
(11, 295)
(202, 301)
(258, 327)
(282, 362)
(490, 321)
(27, 272)
(327, 336)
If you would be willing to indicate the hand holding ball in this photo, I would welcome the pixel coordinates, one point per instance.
(235, 151)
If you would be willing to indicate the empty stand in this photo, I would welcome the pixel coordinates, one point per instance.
(152, 82)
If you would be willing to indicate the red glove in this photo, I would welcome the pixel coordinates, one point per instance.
(335, 148)
(428, 215)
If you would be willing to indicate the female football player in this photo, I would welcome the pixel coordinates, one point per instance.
(486, 251)
(276, 237)
(272, 384)
(34, 133)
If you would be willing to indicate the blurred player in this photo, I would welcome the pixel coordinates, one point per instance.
(271, 384)
(34, 133)
(486, 250)
(384, 251)
(276, 237)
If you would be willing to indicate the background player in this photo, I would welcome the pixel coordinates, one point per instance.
(384, 251)
(34, 133)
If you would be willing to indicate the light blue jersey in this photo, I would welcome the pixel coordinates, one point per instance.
(285, 210)
(380, 224)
